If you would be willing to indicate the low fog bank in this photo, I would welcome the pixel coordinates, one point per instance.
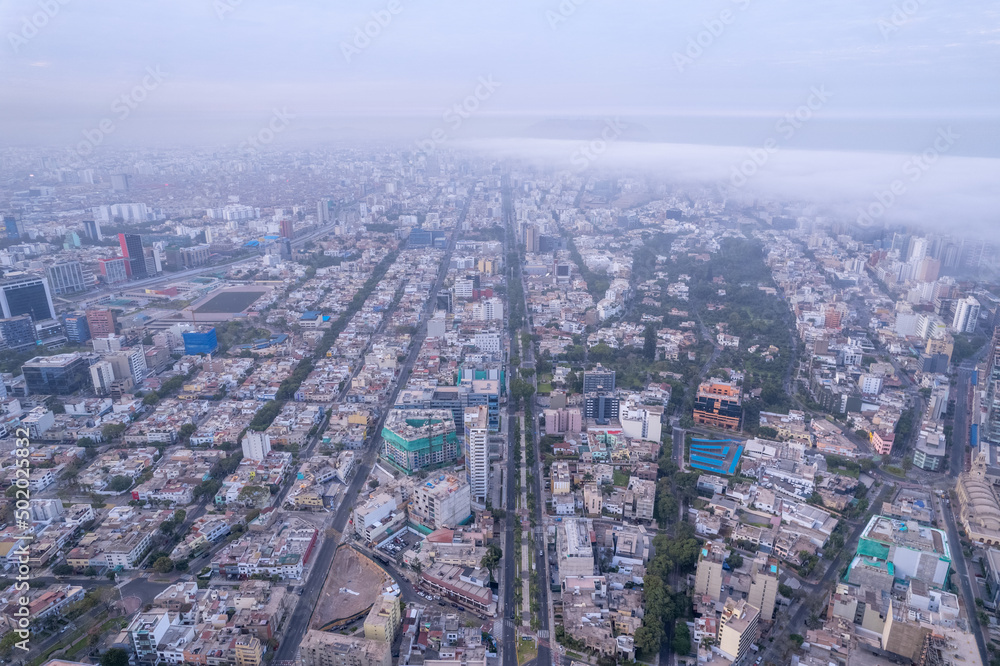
(932, 187)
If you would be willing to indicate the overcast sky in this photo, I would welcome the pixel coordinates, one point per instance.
(700, 82)
(226, 59)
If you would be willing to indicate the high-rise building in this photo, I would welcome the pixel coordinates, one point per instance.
(135, 258)
(114, 270)
(61, 374)
(991, 427)
(196, 255)
(641, 421)
(598, 379)
(764, 585)
(200, 342)
(27, 294)
(415, 439)
(14, 226)
(708, 576)
(383, 619)
(718, 404)
(154, 260)
(109, 343)
(739, 628)
(77, 329)
(918, 249)
(287, 228)
(444, 301)
(531, 238)
(249, 651)
(928, 270)
(477, 452)
(966, 315)
(121, 182)
(66, 277)
(490, 309)
(92, 229)
(129, 364)
(17, 332)
(601, 406)
(256, 445)
(101, 322)
(102, 375)
(440, 502)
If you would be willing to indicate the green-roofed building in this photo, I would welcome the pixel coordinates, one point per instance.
(419, 439)
(869, 548)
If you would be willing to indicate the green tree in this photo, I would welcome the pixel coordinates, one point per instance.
(85, 442)
(114, 657)
(648, 638)
(649, 343)
(491, 558)
(682, 639)
(9, 640)
(521, 389)
(163, 565)
(735, 560)
(150, 398)
(112, 431)
(119, 483)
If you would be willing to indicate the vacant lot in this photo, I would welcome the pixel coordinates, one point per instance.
(230, 301)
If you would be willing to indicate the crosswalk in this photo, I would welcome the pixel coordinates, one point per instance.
(543, 633)
(501, 627)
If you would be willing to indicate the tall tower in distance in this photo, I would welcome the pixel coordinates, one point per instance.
(135, 261)
(121, 182)
(991, 428)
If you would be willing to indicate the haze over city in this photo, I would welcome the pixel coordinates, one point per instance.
(565, 333)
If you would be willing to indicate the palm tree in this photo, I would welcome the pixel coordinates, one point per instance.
(491, 559)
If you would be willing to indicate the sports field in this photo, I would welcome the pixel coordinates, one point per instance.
(230, 301)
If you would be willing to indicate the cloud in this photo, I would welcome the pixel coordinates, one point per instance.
(953, 194)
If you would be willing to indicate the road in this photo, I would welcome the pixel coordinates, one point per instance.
(298, 622)
(677, 442)
(960, 433)
(508, 642)
(960, 447)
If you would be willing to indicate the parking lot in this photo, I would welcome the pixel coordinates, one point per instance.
(403, 541)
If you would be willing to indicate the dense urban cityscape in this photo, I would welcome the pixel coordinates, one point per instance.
(365, 408)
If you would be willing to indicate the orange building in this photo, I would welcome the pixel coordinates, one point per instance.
(718, 404)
